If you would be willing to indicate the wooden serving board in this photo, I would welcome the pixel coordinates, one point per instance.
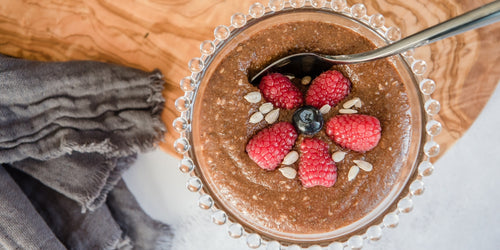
(166, 34)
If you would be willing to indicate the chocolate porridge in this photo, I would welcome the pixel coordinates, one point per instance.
(221, 130)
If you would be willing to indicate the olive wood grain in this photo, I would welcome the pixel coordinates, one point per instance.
(165, 34)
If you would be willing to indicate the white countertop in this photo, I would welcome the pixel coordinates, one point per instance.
(460, 208)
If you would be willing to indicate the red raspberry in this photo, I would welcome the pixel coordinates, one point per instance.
(316, 166)
(357, 132)
(328, 88)
(268, 147)
(280, 91)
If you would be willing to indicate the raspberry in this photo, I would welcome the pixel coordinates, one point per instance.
(268, 147)
(328, 88)
(356, 132)
(280, 91)
(316, 166)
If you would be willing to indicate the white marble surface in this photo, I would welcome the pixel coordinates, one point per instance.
(460, 208)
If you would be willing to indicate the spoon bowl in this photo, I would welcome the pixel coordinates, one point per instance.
(298, 65)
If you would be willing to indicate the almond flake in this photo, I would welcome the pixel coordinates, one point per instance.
(351, 103)
(305, 80)
(256, 117)
(290, 77)
(366, 166)
(352, 173)
(253, 97)
(325, 109)
(348, 111)
(266, 108)
(290, 158)
(288, 172)
(338, 156)
(272, 116)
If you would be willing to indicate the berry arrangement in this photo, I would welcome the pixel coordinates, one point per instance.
(272, 146)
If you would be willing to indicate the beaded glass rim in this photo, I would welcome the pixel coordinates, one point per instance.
(189, 85)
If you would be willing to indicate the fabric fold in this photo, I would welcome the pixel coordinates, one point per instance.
(144, 232)
(21, 120)
(106, 122)
(83, 177)
(21, 227)
(144, 135)
(25, 82)
(92, 230)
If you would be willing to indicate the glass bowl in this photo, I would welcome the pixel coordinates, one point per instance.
(413, 168)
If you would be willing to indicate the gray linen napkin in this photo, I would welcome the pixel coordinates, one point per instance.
(77, 119)
(20, 224)
(75, 127)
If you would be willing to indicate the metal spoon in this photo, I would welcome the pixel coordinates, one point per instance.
(313, 64)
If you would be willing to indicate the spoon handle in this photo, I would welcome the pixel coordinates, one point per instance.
(482, 16)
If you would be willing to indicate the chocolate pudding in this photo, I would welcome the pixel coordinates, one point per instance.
(267, 199)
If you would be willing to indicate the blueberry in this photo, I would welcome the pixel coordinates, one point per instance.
(308, 120)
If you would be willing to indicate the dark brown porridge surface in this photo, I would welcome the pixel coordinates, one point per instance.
(268, 198)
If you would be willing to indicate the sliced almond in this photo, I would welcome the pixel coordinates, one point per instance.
(290, 158)
(358, 104)
(352, 173)
(256, 117)
(266, 107)
(348, 111)
(272, 116)
(325, 109)
(253, 97)
(338, 156)
(366, 166)
(290, 77)
(305, 80)
(351, 103)
(288, 172)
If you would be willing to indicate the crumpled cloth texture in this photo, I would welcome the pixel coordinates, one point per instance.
(49, 109)
(68, 131)
(20, 224)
